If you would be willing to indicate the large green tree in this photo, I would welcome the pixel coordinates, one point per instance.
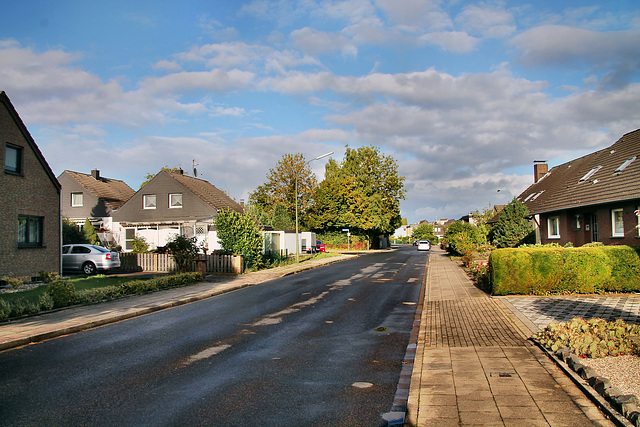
(513, 226)
(362, 193)
(425, 231)
(280, 186)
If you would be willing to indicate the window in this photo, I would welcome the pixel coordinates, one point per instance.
(13, 159)
(77, 200)
(149, 201)
(175, 200)
(590, 174)
(29, 231)
(576, 223)
(553, 227)
(625, 164)
(637, 212)
(617, 223)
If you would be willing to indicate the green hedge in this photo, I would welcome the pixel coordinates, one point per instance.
(62, 293)
(555, 270)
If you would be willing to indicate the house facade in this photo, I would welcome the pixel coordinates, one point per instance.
(595, 198)
(93, 197)
(30, 199)
(171, 203)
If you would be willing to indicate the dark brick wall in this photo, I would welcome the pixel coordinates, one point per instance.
(30, 193)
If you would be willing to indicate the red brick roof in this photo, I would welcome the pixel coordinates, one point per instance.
(590, 180)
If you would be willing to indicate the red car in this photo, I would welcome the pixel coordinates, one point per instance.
(319, 246)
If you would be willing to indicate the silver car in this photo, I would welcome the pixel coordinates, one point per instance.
(89, 258)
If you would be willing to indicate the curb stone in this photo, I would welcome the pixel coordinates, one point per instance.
(623, 410)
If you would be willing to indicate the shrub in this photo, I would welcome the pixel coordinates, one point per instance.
(592, 338)
(184, 251)
(5, 310)
(556, 270)
(48, 277)
(480, 273)
(62, 292)
(45, 302)
(467, 258)
(14, 282)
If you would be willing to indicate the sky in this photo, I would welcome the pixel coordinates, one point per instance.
(464, 95)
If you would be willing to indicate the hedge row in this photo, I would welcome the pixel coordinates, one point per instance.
(555, 270)
(62, 293)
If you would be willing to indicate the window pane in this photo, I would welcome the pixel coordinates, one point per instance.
(22, 230)
(150, 201)
(12, 159)
(77, 199)
(175, 200)
(618, 224)
(34, 230)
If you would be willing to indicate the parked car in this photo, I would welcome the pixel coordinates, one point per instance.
(319, 246)
(424, 245)
(89, 258)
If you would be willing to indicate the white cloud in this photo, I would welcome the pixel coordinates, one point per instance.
(454, 41)
(489, 22)
(416, 15)
(314, 42)
(614, 52)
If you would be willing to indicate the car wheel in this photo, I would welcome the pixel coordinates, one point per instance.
(89, 269)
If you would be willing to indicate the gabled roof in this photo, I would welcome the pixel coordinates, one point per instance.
(606, 176)
(113, 192)
(206, 191)
(4, 100)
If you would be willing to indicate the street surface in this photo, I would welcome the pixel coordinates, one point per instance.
(323, 347)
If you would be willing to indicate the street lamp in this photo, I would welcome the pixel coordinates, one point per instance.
(297, 241)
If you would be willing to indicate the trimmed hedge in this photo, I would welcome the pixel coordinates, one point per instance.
(63, 294)
(556, 270)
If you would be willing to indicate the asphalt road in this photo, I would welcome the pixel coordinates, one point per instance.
(323, 347)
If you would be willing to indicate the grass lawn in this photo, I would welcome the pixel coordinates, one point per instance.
(99, 281)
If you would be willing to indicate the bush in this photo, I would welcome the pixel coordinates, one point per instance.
(184, 251)
(62, 292)
(48, 277)
(45, 302)
(556, 270)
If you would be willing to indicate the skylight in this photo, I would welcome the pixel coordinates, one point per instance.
(590, 174)
(625, 164)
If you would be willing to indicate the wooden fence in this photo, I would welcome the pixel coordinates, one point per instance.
(160, 263)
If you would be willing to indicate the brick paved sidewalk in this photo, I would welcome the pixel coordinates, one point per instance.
(474, 366)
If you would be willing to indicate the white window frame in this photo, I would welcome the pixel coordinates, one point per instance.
(550, 221)
(637, 212)
(76, 201)
(615, 222)
(172, 202)
(146, 201)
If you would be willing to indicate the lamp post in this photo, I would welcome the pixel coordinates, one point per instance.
(297, 241)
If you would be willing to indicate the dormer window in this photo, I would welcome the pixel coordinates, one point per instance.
(149, 201)
(625, 164)
(175, 200)
(590, 174)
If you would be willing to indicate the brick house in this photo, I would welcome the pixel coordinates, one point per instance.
(30, 199)
(93, 197)
(595, 198)
(171, 203)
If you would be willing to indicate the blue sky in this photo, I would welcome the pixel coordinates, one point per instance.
(463, 94)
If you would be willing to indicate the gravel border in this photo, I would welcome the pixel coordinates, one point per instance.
(622, 406)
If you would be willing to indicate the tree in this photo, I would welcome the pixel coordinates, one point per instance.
(184, 251)
(281, 219)
(240, 234)
(424, 231)
(89, 232)
(281, 186)
(513, 227)
(362, 193)
(71, 233)
(140, 245)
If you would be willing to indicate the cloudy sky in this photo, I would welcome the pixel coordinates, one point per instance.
(464, 95)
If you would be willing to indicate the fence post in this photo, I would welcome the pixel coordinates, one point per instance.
(237, 264)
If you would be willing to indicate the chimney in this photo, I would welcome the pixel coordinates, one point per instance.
(95, 173)
(540, 169)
